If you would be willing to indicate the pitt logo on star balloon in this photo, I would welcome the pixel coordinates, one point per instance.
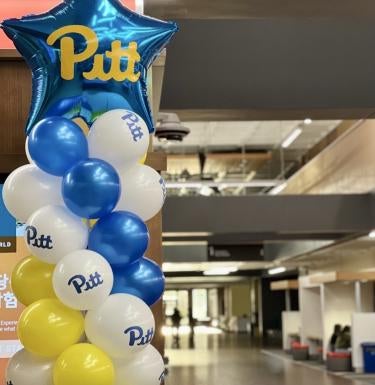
(81, 284)
(41, 242)
(138, 337)
(69, 57)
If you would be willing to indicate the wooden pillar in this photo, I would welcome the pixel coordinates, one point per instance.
(15, 96)
(154, 252)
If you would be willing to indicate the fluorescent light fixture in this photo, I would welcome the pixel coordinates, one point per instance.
(225, 183)
(278, 189)
(185, 243)
(277, 270)
(187, 234)
(307, 121)
(221, 271)
(291, 137)
(167, 266)
(372, 234)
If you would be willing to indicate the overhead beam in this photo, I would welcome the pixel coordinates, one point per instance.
(188, 9)
(271, 69)
(288, 214)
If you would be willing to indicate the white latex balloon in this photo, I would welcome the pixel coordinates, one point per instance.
(27, 369)
(119, 137)
(143, 191)
(122, 326)
(27, 189)
(83, 280)
(145, 368)
(53, 232)
(28, 156)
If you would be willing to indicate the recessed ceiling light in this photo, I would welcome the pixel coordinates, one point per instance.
(307, 121)
(277, 270)
(372, 234)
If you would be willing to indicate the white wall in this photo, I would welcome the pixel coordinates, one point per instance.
(367, 297)
(291, 323)
(338, 307)
(311, 313)
(324, 306)
(363, 330)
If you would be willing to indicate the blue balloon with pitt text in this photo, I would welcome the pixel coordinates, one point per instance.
(120, 237)
(91, 188)
(88, 57)
(56, 144)
(143, 279)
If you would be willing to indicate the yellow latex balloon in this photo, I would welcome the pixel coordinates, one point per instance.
(32, 281)
(143, 159)
(90, 222)
(84, 126)
(83, 364)
(47, 327)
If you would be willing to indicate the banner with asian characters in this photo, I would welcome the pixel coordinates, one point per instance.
(12, 250)
(10, 308)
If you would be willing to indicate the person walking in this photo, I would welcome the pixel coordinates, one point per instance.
(176, 322)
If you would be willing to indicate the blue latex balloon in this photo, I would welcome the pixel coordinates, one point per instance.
(91, 188)
(121, 238)
(143, 279)
(97, 63)
(56, 144)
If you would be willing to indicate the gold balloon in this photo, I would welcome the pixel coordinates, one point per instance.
(32, 281)
(47, 327)
(83, 125)
(83, 364)
(90, 223)
(143, 159)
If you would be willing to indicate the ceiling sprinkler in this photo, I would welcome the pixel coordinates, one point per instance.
(169, 128)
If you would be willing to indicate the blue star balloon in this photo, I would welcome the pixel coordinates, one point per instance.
(88, 57)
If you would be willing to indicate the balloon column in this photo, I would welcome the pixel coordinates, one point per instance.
(88, 291)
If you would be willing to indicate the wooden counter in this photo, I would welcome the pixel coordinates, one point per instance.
(284, 285)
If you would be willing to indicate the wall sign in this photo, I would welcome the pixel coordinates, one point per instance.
(7, 228)
(228, 253)
(10, 308)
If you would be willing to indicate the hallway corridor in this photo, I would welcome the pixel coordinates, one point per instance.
(233, 360)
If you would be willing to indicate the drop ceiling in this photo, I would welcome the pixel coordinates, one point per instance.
(265, 135)
(240, 150)
(204, 266)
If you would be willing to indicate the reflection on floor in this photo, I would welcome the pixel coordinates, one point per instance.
(222, 359)
(186, 330)
(365, 379)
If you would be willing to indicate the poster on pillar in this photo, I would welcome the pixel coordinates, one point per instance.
(19, 8)
(12, 250)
